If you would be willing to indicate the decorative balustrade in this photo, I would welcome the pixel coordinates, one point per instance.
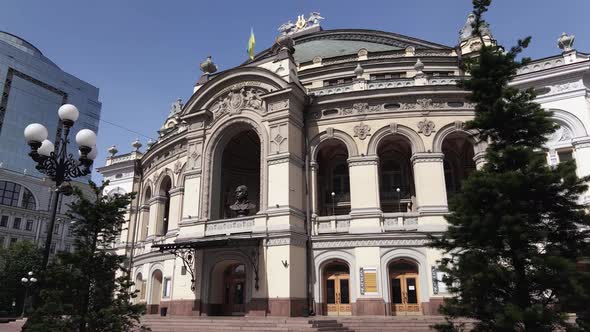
(332, 224)
(400, 221)
(330, 90)
(392, 83)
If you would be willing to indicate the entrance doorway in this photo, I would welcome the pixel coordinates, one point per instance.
(234, 282)
(404, 288)
(337, 290)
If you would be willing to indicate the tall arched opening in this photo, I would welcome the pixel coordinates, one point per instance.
(236, 163)
(333, 179)
(458, 160)
(164, 206)
(396, 177)
(156, 288)
(145, 215)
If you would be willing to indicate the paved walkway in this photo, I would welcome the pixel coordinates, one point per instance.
(12, 326)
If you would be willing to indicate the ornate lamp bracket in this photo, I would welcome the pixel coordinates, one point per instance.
(252, 255)
(187, 255)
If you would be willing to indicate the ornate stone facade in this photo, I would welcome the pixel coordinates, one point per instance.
(348, 177)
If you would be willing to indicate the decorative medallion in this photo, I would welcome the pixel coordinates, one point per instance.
(426, 127)
(238, 99)
(362, 131)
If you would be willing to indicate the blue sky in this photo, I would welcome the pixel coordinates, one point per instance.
(144, 54)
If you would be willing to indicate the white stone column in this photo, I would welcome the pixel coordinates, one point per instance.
(365, 207)
(429, 181)
(582, 156)
(156, 215)
(313, 187)
(175, 213)
(480, 160)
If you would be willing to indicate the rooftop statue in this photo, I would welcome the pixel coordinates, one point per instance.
(301, 24)
(467, 31)
(242, 206)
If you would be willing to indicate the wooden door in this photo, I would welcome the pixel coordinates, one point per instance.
(404, 294)
(234, 292)
(338, 294)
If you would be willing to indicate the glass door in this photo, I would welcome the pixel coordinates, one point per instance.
(338, 295)
(404, 294)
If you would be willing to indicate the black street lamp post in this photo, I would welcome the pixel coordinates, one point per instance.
(28, 282)
(55, 162)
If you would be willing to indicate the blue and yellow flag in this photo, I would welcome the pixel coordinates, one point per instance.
(251, 43)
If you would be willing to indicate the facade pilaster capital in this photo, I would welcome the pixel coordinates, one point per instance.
(363, 160)
(157, 199)
(427, 157)
(145, 207)
(479, 157)
(176, 191)
(581, 142)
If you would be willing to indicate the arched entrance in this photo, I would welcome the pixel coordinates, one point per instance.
(156, 290)
(404, 288)
(140, 286)
(228, 293)
(164, 218)
(337, 286)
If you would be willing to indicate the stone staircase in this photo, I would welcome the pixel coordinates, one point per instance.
(232, 324)
(275, 324)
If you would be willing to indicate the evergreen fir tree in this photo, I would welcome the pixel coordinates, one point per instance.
(89, 290)
(516, 227)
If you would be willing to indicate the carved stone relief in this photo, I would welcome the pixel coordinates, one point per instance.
(278, 136)
(280, 105)
(362, 131)
(426, 127)
(195, 155)
(238, 99)
(423, 105)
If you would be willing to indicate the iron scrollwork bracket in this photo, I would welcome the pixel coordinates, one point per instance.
(252, 254)
(187, 255)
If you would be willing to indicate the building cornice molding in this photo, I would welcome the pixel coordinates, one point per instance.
(427, 157)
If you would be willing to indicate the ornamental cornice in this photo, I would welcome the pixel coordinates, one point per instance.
(292, 240)
(176, 191)
(403, 104)
(581, 142)
(427, 157)
(369, 243)
(284, 158)
(362, 160)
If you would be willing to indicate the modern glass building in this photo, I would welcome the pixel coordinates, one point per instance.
(33, 88)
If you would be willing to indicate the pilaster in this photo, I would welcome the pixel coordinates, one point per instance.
(429, 181)
(364, 194)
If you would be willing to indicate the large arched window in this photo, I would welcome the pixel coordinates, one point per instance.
(164, 221)
(333, 179)
(458, 163)
(13, 194)
(396, 179)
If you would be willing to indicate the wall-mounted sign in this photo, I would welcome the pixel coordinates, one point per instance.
(368, 280)
(438, 286)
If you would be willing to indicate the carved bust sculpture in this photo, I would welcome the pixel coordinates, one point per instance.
(242, 206)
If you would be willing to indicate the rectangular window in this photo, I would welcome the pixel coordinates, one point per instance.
(167, 287)
(13, 240)
(68, 248)
(4, 221)
(52, 248)
(16, 223)
(29, 226)
(565, 155)
(69, 230)
(56, 229)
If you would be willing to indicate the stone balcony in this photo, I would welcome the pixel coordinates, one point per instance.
(389, 222)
